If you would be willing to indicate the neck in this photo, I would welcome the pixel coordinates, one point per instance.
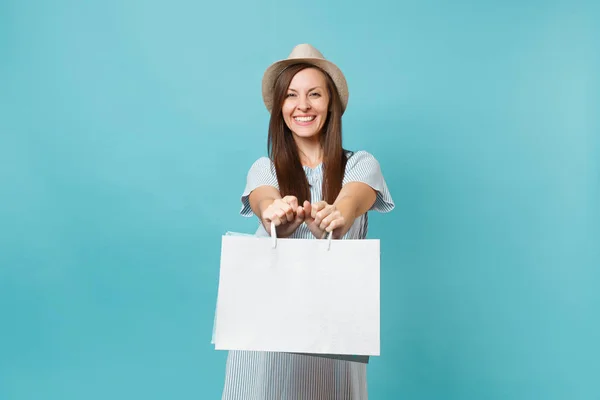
(310, 151)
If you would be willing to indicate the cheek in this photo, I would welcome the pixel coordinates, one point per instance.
(324, 111)
(323, 107)
(287, 109)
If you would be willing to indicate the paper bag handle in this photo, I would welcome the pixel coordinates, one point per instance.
(274, 236)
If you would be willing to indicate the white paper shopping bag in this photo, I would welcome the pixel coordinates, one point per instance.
(299, 296)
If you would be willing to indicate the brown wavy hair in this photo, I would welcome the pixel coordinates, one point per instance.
(284, 151)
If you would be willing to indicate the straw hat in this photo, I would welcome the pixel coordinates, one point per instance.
(303, 53)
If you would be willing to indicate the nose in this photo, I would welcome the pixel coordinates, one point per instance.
(303, 103)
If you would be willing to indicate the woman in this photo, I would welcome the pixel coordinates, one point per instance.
(308, 187)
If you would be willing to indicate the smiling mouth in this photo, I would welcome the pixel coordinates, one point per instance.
(305, 119)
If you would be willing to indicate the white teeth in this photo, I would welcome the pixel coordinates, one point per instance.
(304, 119)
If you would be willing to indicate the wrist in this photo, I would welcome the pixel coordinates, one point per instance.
(346, 207)
(264, 204)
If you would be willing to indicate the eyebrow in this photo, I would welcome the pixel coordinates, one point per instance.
(310, 90)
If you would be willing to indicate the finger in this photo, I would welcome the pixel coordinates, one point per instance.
(319, 205)
(326, 221)
(275, 220)
(321, 215)
(281, 215)
(300, 214)
(289, 213)
(335, 224)
(292, 201)
(268, 215)
(307, 209)
(329, 219)
(318, 217)
(314, 210)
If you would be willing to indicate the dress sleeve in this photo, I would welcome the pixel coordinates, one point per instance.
(261, 173)
(363, 167)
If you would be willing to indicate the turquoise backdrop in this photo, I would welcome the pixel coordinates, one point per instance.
(127, 129)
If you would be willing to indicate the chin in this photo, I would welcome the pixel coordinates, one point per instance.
(307, 135)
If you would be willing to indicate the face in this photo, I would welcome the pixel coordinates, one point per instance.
(306, 103)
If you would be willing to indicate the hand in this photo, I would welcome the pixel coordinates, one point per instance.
(322, 218)
(286, 214)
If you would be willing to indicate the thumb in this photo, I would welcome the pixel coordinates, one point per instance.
(307, 209)
(318, 206)
(300, 214)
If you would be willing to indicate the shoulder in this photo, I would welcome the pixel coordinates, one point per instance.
(363, 167)
(262, 172)
(361, 159)
(262, 162)
(262, 165)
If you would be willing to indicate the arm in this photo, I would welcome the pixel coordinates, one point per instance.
(355, 199)
(261, 198)
(364, 189)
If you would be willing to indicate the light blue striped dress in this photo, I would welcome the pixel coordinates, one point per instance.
(254, 375)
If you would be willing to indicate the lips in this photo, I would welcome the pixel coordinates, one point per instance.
(305, 119)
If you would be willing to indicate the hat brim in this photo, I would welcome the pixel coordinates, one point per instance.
(275, 69)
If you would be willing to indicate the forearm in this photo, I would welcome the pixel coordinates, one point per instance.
(263, 204)
(348, 207)
(354, 200)
(261, 198)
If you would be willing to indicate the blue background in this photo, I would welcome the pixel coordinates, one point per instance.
(127, 129)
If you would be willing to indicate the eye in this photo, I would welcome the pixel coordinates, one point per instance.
(290, 95)
(315, 94)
